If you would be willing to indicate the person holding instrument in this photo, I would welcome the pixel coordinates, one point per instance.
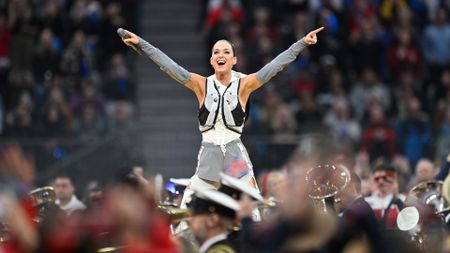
(222, 99)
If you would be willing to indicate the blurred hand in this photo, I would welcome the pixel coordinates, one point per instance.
(16, 164)
(311, 38)
(146, 186)
(294, 185)
(246, 207)
(126, 207)
(19, 223)
(132, 40)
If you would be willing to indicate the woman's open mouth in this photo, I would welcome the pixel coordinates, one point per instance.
(221, 62)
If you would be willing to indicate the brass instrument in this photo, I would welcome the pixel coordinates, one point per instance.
(268, 203)
(105, 243)
(423, 200)
(177, 214)
(409, 220)
(42, 198)
(4, 233)
(266, 208)
(174, 213)
(110, 249)
(324, 182)
(43, 195)
(428, 193)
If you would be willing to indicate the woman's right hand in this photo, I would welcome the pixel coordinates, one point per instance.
(311, 37)
(132, 40)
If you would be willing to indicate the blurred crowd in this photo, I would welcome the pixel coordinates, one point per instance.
(63, 69)
(318, 203)
(378, 79)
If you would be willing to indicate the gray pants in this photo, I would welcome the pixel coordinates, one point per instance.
(231, 159)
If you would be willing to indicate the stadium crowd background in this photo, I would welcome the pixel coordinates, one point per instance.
(65, 80)
(378, 80)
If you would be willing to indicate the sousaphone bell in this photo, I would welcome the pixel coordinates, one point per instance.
(324, 182)
(425, 205)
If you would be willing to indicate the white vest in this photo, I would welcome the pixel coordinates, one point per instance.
(227, 105)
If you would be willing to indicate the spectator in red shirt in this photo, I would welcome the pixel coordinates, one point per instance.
(378, 138)
(218, 8)
(5, 37)
(403, 53)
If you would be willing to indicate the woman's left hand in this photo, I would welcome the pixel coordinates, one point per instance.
(311, 37)
(132, 39)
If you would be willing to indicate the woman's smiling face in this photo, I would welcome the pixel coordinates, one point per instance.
(222, 57)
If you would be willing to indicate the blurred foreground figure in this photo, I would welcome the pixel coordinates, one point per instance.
(17, 212)
(123, 218)
(357, 220)
(300, 226)
(135, 223)
(213, 216)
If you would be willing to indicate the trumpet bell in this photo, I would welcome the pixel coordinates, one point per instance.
(325, 181)
(428, 193)
(424, 203)
(110, 249)
(408, 218)
(43, 195)
(175, 214)
(269, 203)
(43, 199)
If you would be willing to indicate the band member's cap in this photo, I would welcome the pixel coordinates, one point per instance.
(234, 187)
(212, 201)
(180, 181)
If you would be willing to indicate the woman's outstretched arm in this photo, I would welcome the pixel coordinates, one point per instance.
(256, 80)
(166, 64)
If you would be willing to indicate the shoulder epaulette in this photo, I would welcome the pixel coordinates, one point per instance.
(221, 248)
